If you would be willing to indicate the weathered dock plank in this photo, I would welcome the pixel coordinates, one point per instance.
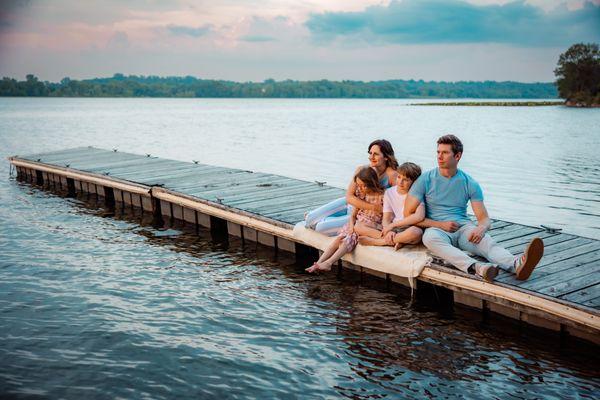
(282, 189)
(123, 167)
(549, 239)
(558, 284)
(588, 296)
(514, 234)
(285, 200)
(250, 188)
(60, 154)
(164, 171)
(497, 224)
(81, 161)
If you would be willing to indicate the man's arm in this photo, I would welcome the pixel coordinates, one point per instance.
(410, 207)
(483, 221)
(414, 218)
(448, 226)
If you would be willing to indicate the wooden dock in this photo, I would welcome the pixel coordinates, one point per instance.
(563, 294)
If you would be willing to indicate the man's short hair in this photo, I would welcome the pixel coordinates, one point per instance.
(410, 170)
(457, 146)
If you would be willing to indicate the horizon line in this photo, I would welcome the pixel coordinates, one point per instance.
(272, 80)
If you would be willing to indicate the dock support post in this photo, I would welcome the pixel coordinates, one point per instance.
(218, 225)
(39, 177)
(70, 187)
(306, 253)
(157, 218)
(218, 230)
(109, 197)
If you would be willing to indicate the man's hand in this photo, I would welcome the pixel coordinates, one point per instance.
(477, 234)
(449, 226)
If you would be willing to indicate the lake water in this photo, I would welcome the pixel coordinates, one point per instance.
(94, 305)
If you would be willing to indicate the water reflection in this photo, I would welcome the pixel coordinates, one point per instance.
(177, 310)
(388, 339)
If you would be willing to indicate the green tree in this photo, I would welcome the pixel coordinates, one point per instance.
(578, 74)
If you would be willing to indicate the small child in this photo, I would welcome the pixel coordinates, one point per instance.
(364, 223)
(398, 229)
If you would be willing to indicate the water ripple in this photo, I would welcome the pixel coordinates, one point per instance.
(101, 305)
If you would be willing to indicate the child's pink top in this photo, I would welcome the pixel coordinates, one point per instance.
(369, 217)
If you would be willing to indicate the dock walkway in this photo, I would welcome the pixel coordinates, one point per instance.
(562, 294)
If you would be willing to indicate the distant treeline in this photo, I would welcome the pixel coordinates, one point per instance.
(154, 86)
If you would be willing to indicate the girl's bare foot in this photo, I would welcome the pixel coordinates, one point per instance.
(312, 268)
(324, 267)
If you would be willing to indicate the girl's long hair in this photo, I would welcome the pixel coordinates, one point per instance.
(388, 152)
(370, 179)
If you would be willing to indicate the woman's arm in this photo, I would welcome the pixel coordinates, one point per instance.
(352, 219)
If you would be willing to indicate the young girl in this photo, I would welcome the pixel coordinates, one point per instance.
(362, 222)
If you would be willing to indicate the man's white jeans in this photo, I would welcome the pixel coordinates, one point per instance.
(449, 246)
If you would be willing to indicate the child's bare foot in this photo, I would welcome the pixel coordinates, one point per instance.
(316, 267)
(312, 268)
(323, 267)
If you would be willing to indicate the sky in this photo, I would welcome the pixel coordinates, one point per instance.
(369, 40)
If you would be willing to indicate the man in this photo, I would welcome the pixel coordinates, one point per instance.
(445, 191)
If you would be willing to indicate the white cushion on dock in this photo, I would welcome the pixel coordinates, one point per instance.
(407, 262)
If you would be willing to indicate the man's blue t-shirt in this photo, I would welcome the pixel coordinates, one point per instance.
(446, 199)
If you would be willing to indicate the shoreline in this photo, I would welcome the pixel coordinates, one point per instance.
(495, 103)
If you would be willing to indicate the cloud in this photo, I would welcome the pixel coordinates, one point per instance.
(257, 38)
(258, 29)
(456, 21)
(181, 30)
(119, 40)
(9, 10)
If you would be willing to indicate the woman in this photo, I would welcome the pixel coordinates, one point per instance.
(329, 218)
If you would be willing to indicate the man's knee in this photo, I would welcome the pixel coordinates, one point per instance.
(432, 236)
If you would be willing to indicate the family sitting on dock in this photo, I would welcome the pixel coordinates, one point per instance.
(395, 205)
